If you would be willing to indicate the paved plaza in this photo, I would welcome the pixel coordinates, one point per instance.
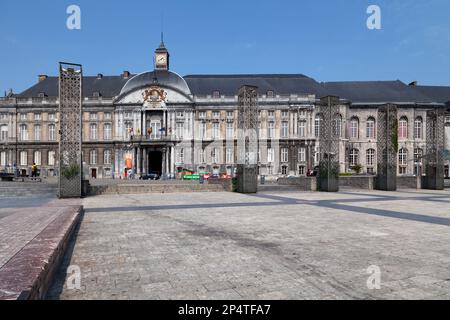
(265, 246)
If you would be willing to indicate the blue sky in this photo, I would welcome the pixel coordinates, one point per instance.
(324, 39)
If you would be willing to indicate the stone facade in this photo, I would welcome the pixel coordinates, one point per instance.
(157, 121)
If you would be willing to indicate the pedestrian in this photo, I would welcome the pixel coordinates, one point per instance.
(34, 170)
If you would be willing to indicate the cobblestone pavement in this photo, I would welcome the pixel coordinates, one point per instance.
(265, 246)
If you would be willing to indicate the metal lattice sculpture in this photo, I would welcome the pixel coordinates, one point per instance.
(434, 157)
(387, 148)
(329, 134)
(70, 107)
(247, 168)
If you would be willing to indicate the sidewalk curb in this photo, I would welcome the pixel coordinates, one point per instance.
(29, 274)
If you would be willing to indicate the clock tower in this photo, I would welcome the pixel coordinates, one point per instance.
(162, 56)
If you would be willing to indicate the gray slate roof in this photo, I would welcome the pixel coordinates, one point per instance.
(355, 91)
(376, 92)
(230, 84)
(439, 93)
(108, 86)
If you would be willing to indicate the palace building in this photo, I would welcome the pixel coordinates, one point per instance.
(159, 121)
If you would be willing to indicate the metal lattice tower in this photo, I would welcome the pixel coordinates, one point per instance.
(387, 148)
(329, 144)
(434, 156)
(70, 108)
(247, 168)
(248, 125)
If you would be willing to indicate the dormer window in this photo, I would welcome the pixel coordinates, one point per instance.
(96, 95)
(41, 95)
(270, 94)
(216, 94)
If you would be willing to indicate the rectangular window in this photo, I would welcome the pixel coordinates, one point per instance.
(37, 158)
(3, 158)
(51, 117)
(284, 114)
(284, 155)
(201, 155)
(271, 114)
(23, 158)
(93, 157)
(301, 155)
(301, 170)
(284, 129)
(180, 156)
(180, 130)
(202, 130)
(216, 132)
(271, 130)
(302, 129)
(52, 132)
(107, 157)
(37, 132)
(284, 170)
(230, 130)
(37, 117)
(107, 131)
(230, 115)
(215, 155)
(93, 116)
(23, 117)
(23, 132)
(108, 116)
(229, 155)
(51, 158)
(4, 133)
(202, 115)
(270, 155)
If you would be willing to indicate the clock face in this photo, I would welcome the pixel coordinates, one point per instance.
(161, 60)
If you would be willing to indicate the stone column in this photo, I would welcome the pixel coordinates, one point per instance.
(145, 161)
(172, 160)
(163, 165)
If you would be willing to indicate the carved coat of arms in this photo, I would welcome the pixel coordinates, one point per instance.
(154, 97)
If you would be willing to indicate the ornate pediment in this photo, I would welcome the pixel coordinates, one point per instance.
(154, 98)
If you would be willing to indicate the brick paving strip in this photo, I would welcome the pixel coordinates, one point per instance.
(32, 244)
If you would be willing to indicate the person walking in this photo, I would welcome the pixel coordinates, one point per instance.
(34, 170)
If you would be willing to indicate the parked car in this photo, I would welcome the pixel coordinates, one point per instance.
(151, 176)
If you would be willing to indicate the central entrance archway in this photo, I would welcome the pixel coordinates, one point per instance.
(155, 162)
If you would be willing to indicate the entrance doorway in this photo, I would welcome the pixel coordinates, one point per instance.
(155, 162)
(94, 173)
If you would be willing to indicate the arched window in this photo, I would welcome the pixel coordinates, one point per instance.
(370, 157)
(418, 128)
(23, 132)
(51, 132)
(370, 128)
(354, 157)
(337, 126)
(318, 125)
(403, 128)
(354, 128)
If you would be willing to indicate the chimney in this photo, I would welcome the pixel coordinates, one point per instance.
(99, 76)
(413, 84)
(42, 77)
(126, 74)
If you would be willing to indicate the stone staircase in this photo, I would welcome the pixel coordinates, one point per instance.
(27, 189)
